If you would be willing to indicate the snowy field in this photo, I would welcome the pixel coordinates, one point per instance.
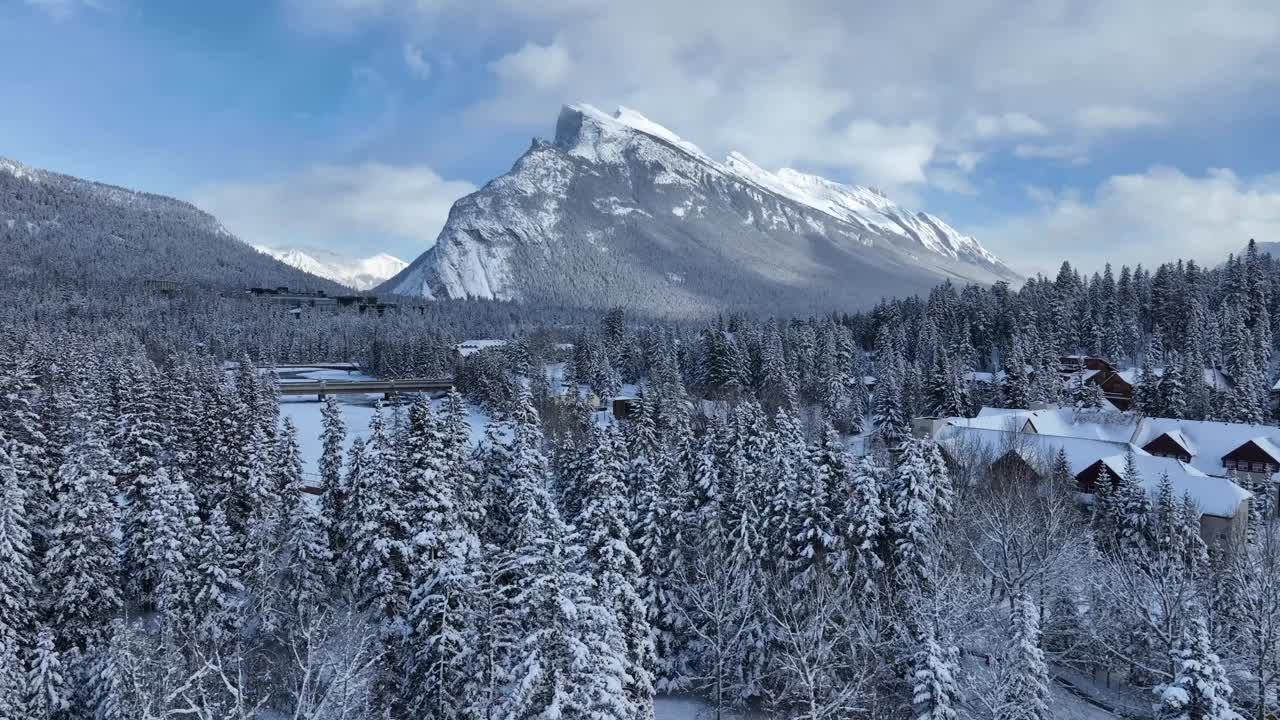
(1065, 707)
(356, 412)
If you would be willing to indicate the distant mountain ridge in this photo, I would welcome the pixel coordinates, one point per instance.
(357, 273)
(619, 210)
(69, 229)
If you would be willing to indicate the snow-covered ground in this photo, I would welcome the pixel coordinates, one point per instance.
(1065, 706)
(356, 412)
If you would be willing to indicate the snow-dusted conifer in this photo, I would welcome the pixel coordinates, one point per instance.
(169, 542)
(616, 568)
(1200, 690)
(442, 609)
(333, 487)
(864, 520)
(935, 687)
(919, 498)
(48, 688)
(81, 572)
(219, 592)
(17, 587)
(1025, 687)
(380, 535)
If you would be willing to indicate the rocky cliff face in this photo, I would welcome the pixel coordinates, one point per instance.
(620, 211)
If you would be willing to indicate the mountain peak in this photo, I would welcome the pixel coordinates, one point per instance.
(358, 273)
(584, 124)
(620, 209)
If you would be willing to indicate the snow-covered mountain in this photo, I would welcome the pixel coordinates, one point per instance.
(359, 273)
(619, 210)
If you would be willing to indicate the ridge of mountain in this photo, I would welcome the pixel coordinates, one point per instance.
(618, 209)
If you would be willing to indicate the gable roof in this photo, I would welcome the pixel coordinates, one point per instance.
(1212, 377)
(1262, 443)
(1207, 441)
(1038, 450)
(1215, 496)
(1177, 437)
(1210, 441)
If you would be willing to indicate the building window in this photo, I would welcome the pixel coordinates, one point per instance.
(1259, 467)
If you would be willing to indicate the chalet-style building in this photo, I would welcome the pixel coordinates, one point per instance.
(1208, 460)
(1118, 384)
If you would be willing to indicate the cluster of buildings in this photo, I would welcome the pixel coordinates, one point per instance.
(299, 301)
(1118, 384)
(1212, 462)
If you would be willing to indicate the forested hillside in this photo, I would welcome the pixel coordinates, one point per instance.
(67, 232)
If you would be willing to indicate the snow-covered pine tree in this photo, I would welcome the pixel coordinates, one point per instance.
(444, 586)
(82, 570)
(218, 598)
(343, 526)
(1195, 553)
(137, 441)
(1146, 393)
(425, 461)
(48, 688)
(616, 569)
(1201, 689)
(308, 563)
(20, 434)
(814, 536)
(380, 535)
(656, 541)
(567, 659)
(946, 397)
(776, 390)
(17, 584)
(1025, 682)
(1173, 391)
(1135, 507)
(1017, 382)
(935, 685)
(865, 511)
(333, 486)
(919, 497)
(460, 470)
(705, 512)
(169, 540)
(13, 681)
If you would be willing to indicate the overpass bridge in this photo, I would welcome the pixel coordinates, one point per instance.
(389, 388)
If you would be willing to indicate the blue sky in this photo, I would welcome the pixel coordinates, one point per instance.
(1123, 131)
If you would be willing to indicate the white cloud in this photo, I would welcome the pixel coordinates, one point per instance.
(401, 208)
(1068, 152)
(1013, 123)
(893, 154)
(1148, 217)
(540, 66)
(1116, 117)
(788, 83)
(416, 61)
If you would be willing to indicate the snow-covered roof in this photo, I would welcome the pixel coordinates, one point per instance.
(1212, 377)
(1268, 447)
(470, 347)
(1208, 441)
(1035, 449)
(1081, 375)
(986, 377)
(1181, 438)
(1212, 495)
(1061, 422)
